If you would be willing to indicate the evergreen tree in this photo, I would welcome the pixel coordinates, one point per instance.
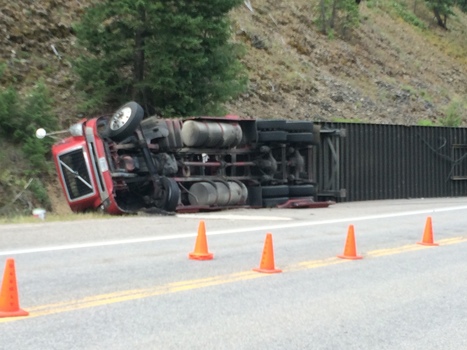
(442, 9)
(338, 16)
(462, 5)
(174, 57)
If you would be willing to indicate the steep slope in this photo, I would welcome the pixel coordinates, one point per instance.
(386, 71)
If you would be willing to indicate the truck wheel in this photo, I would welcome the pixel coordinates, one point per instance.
(302, 190)
(275, 191)
(270, 124)
(299, 126)
(272, 136)
(124, 121)
(301, 137)
(170, 195)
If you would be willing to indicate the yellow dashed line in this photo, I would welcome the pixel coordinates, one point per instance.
(111, 298)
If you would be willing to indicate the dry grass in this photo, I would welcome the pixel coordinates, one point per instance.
(296, 70)
(51, 217)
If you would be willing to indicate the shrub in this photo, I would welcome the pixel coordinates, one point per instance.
(337, 17)
(19, 118)
(407, 15)
(453, 114)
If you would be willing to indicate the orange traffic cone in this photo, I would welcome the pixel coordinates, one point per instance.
(9, 302)
(267, 260)
(201, 247)
(350, 251)
(428, 234)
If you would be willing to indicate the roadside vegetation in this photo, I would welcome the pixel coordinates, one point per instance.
(391, 61)
(173, 58)
(50, 217)
(24, 162)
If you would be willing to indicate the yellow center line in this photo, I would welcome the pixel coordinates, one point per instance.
(169, 288)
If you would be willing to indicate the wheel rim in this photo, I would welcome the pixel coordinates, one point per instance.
(170, 194)
(120, 118)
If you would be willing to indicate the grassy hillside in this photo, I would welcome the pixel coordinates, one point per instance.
(398, 66)
(387, 71)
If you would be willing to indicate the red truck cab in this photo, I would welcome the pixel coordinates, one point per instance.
(83, 170)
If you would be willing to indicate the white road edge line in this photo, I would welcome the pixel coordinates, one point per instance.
(226, 232)
(232, 217)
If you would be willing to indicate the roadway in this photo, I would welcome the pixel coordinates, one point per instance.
(127, 283)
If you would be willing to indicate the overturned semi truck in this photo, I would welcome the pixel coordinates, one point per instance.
(125, 163)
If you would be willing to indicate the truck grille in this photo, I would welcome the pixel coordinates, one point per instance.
(75, 174)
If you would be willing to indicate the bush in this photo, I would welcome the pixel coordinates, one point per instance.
(40, 193)
(19, 118)
(408, 16)
(338, 17)
(453, 114)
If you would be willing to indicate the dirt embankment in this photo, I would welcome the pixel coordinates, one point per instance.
(388, 71)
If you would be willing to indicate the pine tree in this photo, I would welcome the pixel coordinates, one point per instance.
(174, 57)
(442, 9)
(338, 16)
(462, 5)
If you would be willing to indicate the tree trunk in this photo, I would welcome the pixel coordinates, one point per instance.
(139, 61)
(323, 17)
(334, 13)
(438, 17)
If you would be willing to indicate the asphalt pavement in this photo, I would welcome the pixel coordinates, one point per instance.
(127, 283)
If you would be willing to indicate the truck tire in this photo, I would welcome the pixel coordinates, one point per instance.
(275, 191)
(302, 190)
(270, 124)
(272, 136)
(170, 195)
(124, 121)
(301, 137)
(299, 126)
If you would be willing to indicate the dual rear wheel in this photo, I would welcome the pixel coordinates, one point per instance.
(275, 195)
